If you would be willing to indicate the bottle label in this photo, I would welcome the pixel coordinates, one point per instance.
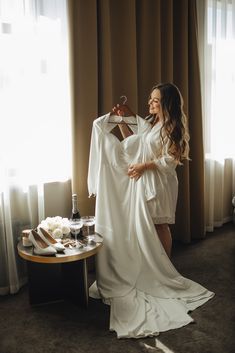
(75, 213)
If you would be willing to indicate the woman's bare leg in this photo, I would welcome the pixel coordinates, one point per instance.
(164, 235)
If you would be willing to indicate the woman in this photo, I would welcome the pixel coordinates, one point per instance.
(169, 140)
(135, 185)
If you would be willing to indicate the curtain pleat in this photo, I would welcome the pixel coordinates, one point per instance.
(124, 48)
(84, 49)
(197, 172)
(148, 32)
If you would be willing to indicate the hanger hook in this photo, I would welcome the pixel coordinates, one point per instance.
(124, 99)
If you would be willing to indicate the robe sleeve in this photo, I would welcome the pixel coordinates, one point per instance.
(94, 159)
(166, 163)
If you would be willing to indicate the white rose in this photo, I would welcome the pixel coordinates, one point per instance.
(44, 225)
(58, 219)
(65, 221)
(65, 229)
(50, 223)
(57, 233)
(57, 224)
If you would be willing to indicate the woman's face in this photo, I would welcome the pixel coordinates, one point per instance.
(154, 103)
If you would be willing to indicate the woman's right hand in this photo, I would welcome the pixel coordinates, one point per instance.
(122, 110)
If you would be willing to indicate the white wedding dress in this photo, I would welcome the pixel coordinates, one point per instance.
(135, 277)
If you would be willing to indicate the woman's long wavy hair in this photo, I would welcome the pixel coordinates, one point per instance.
(175, 124)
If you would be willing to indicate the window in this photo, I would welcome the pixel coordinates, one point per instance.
(220, 80)
(35, 142)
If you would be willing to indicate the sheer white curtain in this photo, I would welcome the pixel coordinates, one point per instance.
(35, 133)
(217, 58)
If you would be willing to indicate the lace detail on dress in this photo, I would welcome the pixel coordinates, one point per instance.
(163, 220)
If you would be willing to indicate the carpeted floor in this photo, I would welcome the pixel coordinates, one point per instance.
(64, 328)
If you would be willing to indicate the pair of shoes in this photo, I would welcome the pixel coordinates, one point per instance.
(49, 240)
(40, 246)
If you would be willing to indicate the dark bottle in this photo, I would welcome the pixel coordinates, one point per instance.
(75, 211)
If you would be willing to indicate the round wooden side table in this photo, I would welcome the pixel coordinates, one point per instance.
(62, 276)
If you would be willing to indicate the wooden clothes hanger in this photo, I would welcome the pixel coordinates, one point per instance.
(126, 110)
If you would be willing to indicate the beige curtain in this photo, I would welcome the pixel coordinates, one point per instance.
(126, 47)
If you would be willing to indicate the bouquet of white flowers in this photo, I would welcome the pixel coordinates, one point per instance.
(57, 226)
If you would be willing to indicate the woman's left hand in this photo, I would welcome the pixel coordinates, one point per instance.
(135, 171)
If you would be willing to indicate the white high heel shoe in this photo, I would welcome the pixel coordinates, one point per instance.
(40, 246)
(49, 240)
